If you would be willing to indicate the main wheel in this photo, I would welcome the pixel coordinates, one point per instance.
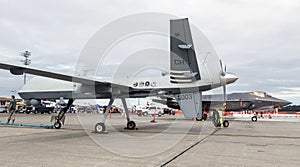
(131, 125)
(100, 127)
(57, 124)
(198, 119)
(145, 113)
(254, 118)
(225, 123)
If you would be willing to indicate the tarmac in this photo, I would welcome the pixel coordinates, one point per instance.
(171, 141)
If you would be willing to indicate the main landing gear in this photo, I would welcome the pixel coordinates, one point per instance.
(61, 116)
(204, 117)
(101, 128)
(217, 120)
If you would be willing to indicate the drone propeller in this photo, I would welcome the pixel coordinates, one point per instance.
(223, 70)
(223, 73)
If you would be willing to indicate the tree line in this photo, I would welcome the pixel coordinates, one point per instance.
(290, 108)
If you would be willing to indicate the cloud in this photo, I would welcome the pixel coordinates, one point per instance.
(289, 93)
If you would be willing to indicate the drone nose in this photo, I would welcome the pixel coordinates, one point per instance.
(229, 78)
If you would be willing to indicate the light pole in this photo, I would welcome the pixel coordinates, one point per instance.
(26, 61)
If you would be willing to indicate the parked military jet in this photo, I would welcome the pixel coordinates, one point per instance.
(256, 100)
(243, 101)
(188, 76)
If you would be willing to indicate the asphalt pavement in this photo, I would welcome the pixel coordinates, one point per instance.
(171, 141)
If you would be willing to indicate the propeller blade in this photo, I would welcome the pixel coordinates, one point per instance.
(221, 64)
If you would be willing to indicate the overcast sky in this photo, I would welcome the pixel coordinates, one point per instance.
(257, 40)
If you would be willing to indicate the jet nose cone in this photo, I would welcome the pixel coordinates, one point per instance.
(280, 102)
(229, 78)
(285, 103)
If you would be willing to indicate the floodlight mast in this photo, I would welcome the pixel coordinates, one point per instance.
(26, 61)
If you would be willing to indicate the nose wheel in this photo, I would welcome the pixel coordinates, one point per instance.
(254, 118)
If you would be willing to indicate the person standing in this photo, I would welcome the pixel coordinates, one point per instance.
(221, 113)
(12, 109)
(134, 109)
